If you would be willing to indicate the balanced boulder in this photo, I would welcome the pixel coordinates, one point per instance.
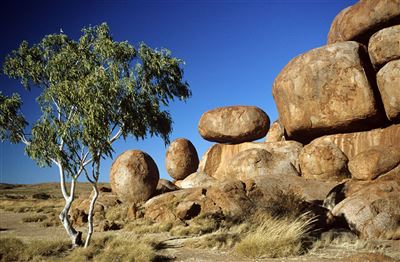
(374, 162)
(388, 79)
(234, 124)
(134, 176)
(323, 160)
(326, 91)
(364, 18)
(181, 159)
(384, 46)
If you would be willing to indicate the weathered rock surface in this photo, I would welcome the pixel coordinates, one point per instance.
(219, 157)
(360, 21)
(234, 124)
(323, 160)
(262, 189)
(371, 208)
(384, 46)
(354, 143)
(227, 198)
(134, 176)
(374, 162)
(326, 91)
(388, 79)
(181, 159)
(255, 162)
(165, 186)
(198, 179)
(276, 132)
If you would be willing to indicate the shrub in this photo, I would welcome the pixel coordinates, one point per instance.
(274, 237)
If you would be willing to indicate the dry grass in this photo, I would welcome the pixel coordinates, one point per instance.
(144, 226)
(274, 237)
(117, 213)
(34, 218)
(13, 249)
(106, 248)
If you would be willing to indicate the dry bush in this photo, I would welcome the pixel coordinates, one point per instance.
(12, 249)
(117, 213)
(274, 237)
(285, 204)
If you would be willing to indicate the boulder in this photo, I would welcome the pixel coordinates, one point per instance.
(198, 179)
(181, 159)
(364, 18)
(234, 124)
(388, 79)
(371, 208)
(134, 176)
(352, 144)
(165, 186)
(323, 160)
(326, 91)
(228, 198)
(276, 132)
(384, 46)
(219, 157)
(256, 161)
(374, 162)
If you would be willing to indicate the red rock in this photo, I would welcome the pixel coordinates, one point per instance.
(360, 21)
(134, 176)
(326, 91)
(384, 46)
(181, 159)
(388, 79)
(234, 124)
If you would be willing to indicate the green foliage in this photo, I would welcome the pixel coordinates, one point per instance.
(12, 121)
(91, 89)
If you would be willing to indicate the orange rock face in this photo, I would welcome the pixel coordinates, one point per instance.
(181, 159)
(234, 124)
(134, 176)
(388, 79)
(384, 46)
(360, 21)
(326, 91)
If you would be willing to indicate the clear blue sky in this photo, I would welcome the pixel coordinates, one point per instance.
(233, 51)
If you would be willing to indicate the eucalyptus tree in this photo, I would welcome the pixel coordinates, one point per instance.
(94, 90)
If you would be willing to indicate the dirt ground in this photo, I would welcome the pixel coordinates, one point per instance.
(173, 248)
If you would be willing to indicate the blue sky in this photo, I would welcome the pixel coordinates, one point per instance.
(233, 51)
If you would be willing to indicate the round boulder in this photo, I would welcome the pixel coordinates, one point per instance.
(374, 162)
(234, 124)
(181, 159)
(323, 160)
(384, 46)
(134, 176)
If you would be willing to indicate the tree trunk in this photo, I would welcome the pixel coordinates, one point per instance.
(75, 236)
(90, 215)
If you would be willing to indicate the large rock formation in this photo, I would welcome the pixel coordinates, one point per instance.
(134, 176)
(234, 124)
(354, 143)
(384, 46)
(228, 198)
(364, 18)
(388, 79)
(181, 159)
(323, 160)
(255, 162)
(197, 179)
(325, 91)
(218, 158)
(372, 208)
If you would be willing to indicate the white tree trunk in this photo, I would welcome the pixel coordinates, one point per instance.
(90, 215)
(75, 236)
